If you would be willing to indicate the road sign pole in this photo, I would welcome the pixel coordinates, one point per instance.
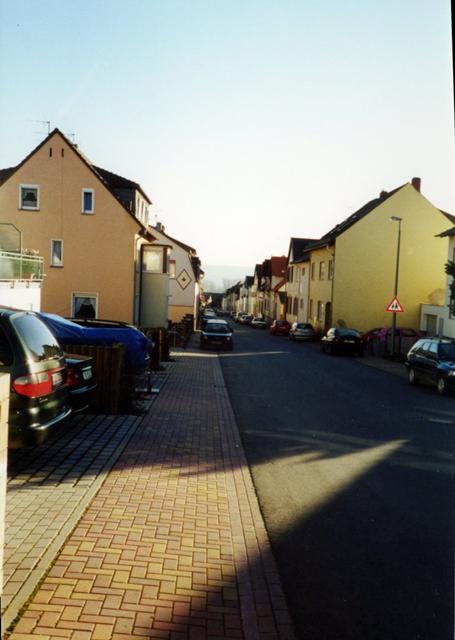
(397, 268)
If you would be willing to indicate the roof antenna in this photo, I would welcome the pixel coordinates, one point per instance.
(43, 122)
(71, 136)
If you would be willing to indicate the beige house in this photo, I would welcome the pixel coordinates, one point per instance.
(185, 276)
(89, 224)
(298, 280)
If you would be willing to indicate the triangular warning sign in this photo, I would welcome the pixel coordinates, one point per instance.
(395, 306)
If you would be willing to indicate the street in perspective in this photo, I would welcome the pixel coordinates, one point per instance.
(227, 320)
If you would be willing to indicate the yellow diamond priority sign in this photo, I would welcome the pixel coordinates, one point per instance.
(395, 306)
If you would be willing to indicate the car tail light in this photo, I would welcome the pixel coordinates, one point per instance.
(35, 385)
(73, 378)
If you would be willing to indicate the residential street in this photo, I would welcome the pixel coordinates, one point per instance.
(354, 472)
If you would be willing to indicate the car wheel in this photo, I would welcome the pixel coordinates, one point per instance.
(442, 385)
(412, 376)
(330, 350)
(322, 347)
(201, 346)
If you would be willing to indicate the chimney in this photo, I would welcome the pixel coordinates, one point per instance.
(416, 183)
(160, 227)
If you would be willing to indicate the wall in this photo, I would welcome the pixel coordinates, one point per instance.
(319, 290)
(98, 249)
(21, 296)
(365, 262)
(155, 291)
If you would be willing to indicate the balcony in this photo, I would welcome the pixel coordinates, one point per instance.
(20, 267)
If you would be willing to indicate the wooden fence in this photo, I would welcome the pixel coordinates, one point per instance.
(114, 386)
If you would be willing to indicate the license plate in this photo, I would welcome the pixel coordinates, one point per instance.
(87, 374)
(216, 342)
(349, 341)
(57, 378)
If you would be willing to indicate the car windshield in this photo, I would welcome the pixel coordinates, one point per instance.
(39, 342)
(302, 325)
(447, 351)
(216, 328)
(348, 333)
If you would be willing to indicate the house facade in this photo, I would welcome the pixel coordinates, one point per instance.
(185, 276)
(89, 225)
(365, 259)
(297, 280)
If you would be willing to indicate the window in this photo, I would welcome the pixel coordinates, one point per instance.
(312, 270)
(29, 197)
(88, 201)
(311, 310)
(289, 304)
(330, 269)
(152, 260)
(172, 268)
(320, 310)
(295, 306)
(85, 305)
(56, 253)
(321, 270)
(301, 304)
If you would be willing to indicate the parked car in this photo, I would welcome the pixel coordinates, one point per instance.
(280, 328)
(216, 334)
(81, 381)
(245, 319)
(405, 337)
(238, 315)
(432, 360)
(301, 331)
(258, 322)
(342, 340)
(32, 356)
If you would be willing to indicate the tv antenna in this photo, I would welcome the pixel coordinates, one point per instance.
(71, 136)
(43, 122)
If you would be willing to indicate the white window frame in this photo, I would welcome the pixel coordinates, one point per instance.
(52, 252)
(29, 186)
(92, 211)
(84, 294)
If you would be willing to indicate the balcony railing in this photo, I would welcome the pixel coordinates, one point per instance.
(20, 266)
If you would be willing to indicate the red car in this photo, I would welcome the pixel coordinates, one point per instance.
(280, 328)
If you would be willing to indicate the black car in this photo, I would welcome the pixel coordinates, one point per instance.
(216, 333)
(342, 340)
(32, 356)
(432, 360)
(81, 381)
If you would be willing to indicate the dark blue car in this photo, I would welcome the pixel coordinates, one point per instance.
(432, 360)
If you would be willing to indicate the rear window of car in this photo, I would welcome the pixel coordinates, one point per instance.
(303, 325)
(447, 351)
(348, 333)
(216, 328)
(36, 338)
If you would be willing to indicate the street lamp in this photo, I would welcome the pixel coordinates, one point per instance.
(397, 267)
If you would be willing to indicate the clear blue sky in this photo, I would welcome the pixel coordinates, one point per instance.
(245, 122)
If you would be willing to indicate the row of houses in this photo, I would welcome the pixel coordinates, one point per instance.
(100, 256)
(348, 276)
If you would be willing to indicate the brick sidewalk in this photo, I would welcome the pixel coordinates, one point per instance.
(173, 545)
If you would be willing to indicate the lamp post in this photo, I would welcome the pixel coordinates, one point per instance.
(397, 268)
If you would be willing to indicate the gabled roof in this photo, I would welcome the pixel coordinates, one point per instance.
(279, 266)
(5, 174)
(249, 281)
(445, 234)
(258, 271)
(297, 247)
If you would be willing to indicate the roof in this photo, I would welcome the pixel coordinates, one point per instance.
(279, 285)
(114, 181)
(297, 247)
(279, 266)
(249, 281)
(5, 174)
(450, 232)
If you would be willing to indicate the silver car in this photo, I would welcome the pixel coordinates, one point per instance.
(301, 331)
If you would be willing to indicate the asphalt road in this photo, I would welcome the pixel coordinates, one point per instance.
(354, 471)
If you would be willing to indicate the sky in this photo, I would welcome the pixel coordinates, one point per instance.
(245, 122)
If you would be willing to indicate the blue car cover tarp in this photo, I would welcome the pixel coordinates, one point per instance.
(137, 345)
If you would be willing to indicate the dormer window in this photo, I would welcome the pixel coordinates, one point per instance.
(88, 201)
(29, 197)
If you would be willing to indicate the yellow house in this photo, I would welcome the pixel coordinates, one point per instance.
(320, 284)
(360, 258)
(88, 223)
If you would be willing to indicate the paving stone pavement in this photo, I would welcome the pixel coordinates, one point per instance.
(173, 544)
(49, 488)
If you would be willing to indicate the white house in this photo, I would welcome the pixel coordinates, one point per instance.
(439, 319)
